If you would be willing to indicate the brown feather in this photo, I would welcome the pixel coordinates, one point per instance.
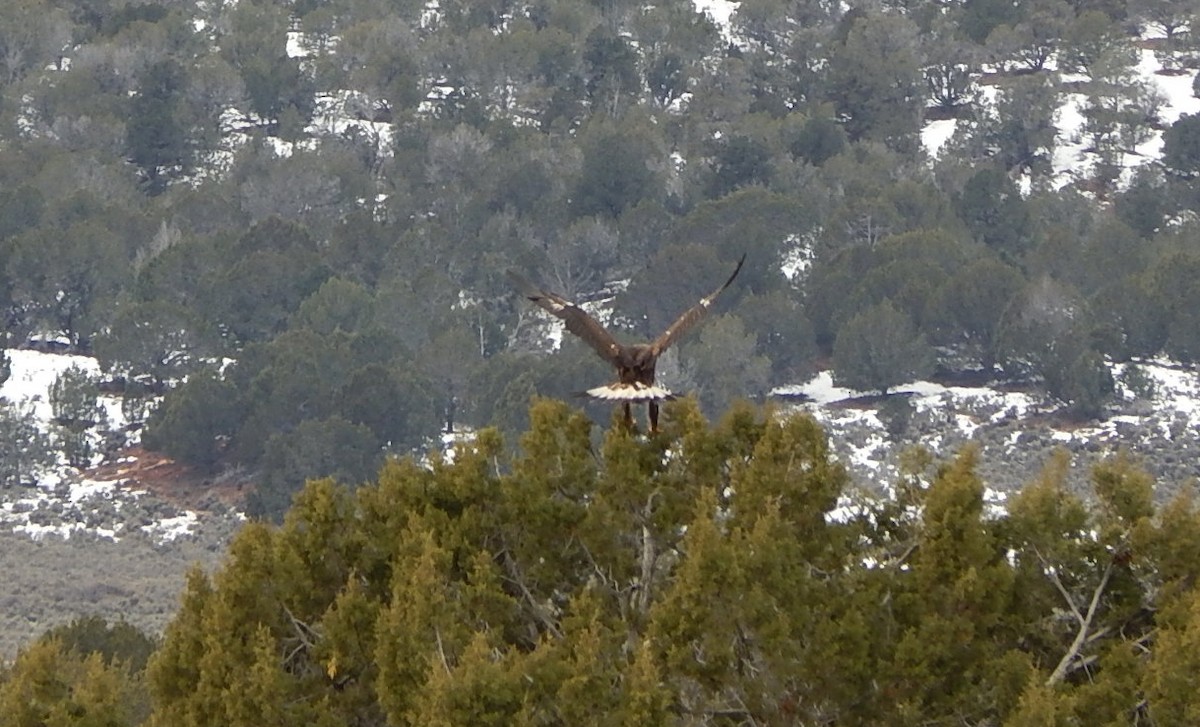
(576, 319)
(691, 316)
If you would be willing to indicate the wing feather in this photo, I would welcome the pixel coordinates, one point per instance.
(691, 316)
(576, 319)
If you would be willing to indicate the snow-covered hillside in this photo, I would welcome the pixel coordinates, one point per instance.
(67, 501)
(1155, 419)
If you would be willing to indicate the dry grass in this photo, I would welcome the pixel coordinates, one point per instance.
(51, 581)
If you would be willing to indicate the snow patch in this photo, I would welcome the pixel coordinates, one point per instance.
(63, 503)
(721, 12)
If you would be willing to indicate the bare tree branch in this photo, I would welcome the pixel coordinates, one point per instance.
(514, 576)
(437, 634)
(1081, 637)
(648, 560)
(1049, 570)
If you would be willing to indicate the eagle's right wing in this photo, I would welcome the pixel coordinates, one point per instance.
(576, 320)
(691, 316)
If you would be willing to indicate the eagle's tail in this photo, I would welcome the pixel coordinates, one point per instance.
(629, 392)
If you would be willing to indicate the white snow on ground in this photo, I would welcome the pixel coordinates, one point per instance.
(952, 415)
(62, 510)
(797, 259)
(32, 375)
(340, 112)
(936, 134)
(1173, 409)
(1175, 388)
(925, 395)
(860, 437)
(64, 503)
(820, 389)
(170, 528)
(295, 47)
(1072, 160)
(721, 12)
(1176, 88)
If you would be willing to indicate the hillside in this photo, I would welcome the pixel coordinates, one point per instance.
(271, 239)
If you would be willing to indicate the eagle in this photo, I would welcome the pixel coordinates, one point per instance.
(634, 363)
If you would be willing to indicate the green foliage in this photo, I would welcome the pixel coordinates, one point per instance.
(981, 17)
(457, 578)
(153, 342)
(970, 305)
(752, 221)
(1172, 293)
(1144, 206)
(617, 171)
(819, 139)
(352, 276)
(155, 138)
(119, 642)
(20, 209)
(701, 575)
(65, 278)
(195, 423)
(876, 79)
(995, 212)
(48, 684)
(880, 348)
(274, 271)
(166, 202)
(24, 448)
(896, 412)
(1046, 330)
(786, 337)
(338, 305)
(738, 162)
(1181, 146)
(74, 399)
(330, 447)
(724, 356)
(1135, 379)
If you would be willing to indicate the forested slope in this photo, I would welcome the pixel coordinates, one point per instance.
(305, 209)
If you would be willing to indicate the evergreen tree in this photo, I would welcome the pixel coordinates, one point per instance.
(702, 575)
(618, 169)
(727, 363)
(995, 212)
(50, 685)
(195, 423)
(155, 138)
(1181, 146)
(970, 305)
(877, 81)
(880, 348)
(330, 447)
(25, 450)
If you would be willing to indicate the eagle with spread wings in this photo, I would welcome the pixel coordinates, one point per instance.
(634, 363)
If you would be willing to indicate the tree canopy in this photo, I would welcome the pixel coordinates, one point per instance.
(712, 574)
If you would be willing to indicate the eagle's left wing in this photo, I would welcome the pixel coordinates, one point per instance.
(692, 316)
(576, 320)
